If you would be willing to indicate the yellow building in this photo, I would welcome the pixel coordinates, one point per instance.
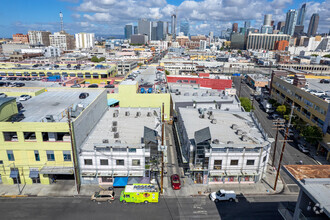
(128, 96)
(36, 148)
(310, 108)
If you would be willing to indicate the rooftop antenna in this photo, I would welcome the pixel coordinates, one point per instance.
(61, 17)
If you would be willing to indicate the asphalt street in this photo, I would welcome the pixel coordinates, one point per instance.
(291, 153)
(170, 208)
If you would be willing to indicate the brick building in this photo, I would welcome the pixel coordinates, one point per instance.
(281, 45)
(20, 38)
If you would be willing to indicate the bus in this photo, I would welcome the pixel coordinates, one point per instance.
(139, 193)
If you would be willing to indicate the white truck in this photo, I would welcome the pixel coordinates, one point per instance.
(267, 106)
(222, 195)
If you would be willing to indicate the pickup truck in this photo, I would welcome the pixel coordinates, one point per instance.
(222, 195)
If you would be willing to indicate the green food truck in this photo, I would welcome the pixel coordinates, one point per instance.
(139, 193)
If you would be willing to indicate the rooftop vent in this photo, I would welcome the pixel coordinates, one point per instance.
(115, 115)
(230, 142)
(149, 114)
(138, 114)
(105, 141)
(116, 111)
(234, 126)
(49, 118)
(210, 113)
(127, 113)
(211, 117)
(114, 123)
(114, 129)
(118, 141)
(177, 93)
(244, 138)
(201, 116)
(239, 132)
(155, 113)
(116, 135)
(200, 111)
(215, 141)
(195, 94)
(186, 94)
(204, 94)
(214, 121)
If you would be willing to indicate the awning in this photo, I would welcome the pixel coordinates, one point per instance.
(120, 181)
(145, 180)
(57, 170)
(217, 173)
(13, 173)
(132, 180)
(112, 101)
(34, 174)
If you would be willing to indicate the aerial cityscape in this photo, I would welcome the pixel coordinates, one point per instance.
(164, 109)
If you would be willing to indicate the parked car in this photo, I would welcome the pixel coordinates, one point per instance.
(2, 84)
(222, 195)
(317, 93)
(109, 86)
(93, 86)
(103, 196)
(275, 116)
(76, 86)
(175, 182)
(24, 97)
(83, 95)
(324, 81)
(19, 106)
(18, 84)
(3, 95)
(303, 148)
(16, 118)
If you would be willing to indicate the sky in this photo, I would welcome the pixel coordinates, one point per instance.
(108, 17)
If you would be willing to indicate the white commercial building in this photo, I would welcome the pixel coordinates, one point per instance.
(62, 40)
(222, 147)
(84, 40)
(39, 38)
(52, 52)
(202, 45)
(122, 144)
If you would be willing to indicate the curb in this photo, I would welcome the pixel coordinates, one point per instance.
(13, 196)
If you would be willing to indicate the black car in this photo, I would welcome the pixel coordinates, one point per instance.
(19, 106)
(16, 118)
(2, 84)
(83, 95)
(109, 86)
(324, 81)
(19, 84)
(93, 86)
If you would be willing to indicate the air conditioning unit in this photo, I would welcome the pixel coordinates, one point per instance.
(115, 115)
(127, 113)
(239, 132)
(138, 114)
(116, 135)
(114, 129)
(234, 126)
(118, 141)
(149, 114)
(114, 123)
(201, 116)
(214, 121)
(215, 141)
(105, 141)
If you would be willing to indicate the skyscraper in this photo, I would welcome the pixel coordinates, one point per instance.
(184, 27)
(161, 30)
(153, 30)
(268, 19)
(313, 24)
(39, 37)
(128, 31)
(247, 24)
(280, 25)
(235, 27)
(136, 30)
(301, 15)
(173, 27)
(84, 40)
(144, 27)
(290, 22)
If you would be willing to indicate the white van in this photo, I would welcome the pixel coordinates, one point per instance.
(223, 195)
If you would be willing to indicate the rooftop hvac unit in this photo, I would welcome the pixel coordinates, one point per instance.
(118, 141)
(239, 132)
(105, 141)
(49, 118)
(214, 121)
(116, 111)
(149, 114)
(127, 113)
(244, 138)
(195, 94)
(138, 114)
(200, 111)
(114, 129)
(210, 113)
(201, 116)
(204, 94)
(114, 123)
(186, 94)
(177, 93)
(155, 113)
(230, 142)
(211, 117)
(215, 141)
(234, 126)
(116, 135)
(115, 115)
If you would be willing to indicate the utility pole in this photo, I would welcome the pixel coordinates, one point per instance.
(278, 126)
(283, 148)
(162, 169)
(75, 164)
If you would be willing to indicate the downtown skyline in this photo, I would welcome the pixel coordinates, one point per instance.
(109, 17)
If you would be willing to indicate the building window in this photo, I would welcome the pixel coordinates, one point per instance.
(250, 162)
(10, 136)
(50, 155)
(106, 179)
(120, 162)
(132, 150)
(66, 155)
(88, 162)
(104, 162)
(30, 136)
(135, 162)
(217, 164)
(36, 155)
(10, 155)
(234, 162)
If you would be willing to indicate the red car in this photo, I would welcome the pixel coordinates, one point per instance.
(175, 181)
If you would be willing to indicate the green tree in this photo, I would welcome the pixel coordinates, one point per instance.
(102, 59)
(167, 72)
(95, 59)
(281, 109)
(222, 48)
(140, 64)
(312, 134)
(246, 104)
(239, 51)
(314, 55)
(327, 56)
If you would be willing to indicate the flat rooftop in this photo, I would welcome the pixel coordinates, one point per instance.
(23, 67)
(222, 129)
(55, 102)
(129, 127)
(300, 172)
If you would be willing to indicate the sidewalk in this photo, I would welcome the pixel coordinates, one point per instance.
(264, 187)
